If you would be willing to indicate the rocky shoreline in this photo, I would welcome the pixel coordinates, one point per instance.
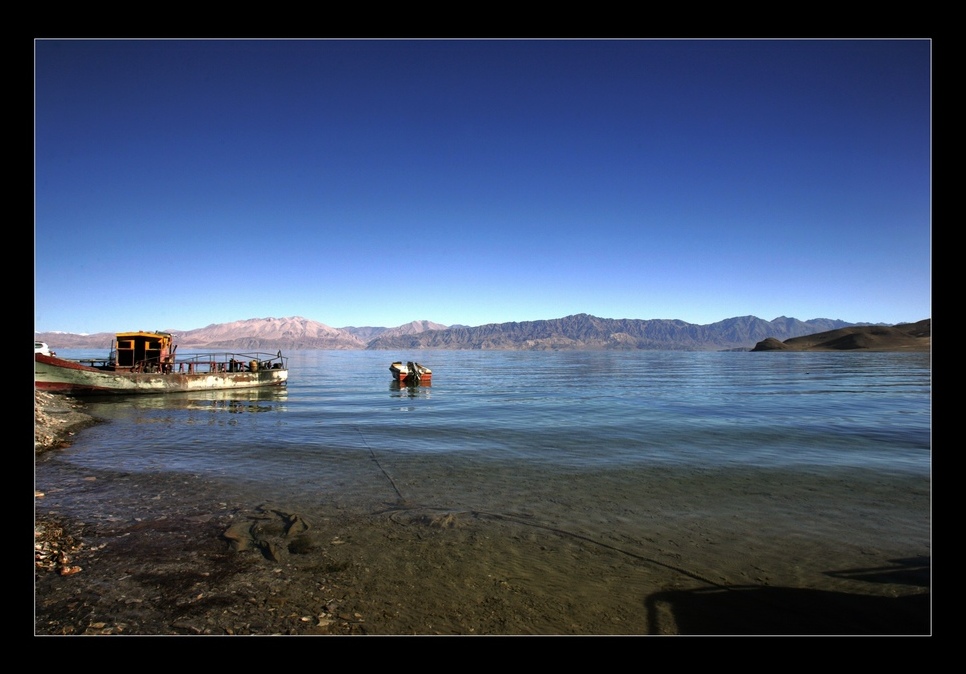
(217, 573)
(236, 564)
(56, 420)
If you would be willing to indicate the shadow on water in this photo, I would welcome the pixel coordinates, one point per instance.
(759, 610)
(909, 571)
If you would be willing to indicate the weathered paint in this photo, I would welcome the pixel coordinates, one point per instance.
(64, 376)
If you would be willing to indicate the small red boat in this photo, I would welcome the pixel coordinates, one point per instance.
(410, 373)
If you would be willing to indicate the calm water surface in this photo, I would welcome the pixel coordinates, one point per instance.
(577, 437)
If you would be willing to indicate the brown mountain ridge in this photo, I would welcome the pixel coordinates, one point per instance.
(902, 337)
(579, 331)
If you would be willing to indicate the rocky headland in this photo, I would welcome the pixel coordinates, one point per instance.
(903, 337)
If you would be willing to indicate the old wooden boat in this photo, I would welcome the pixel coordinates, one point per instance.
(145, 362)
(410, 373)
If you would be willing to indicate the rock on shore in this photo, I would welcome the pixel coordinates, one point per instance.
(56, 419)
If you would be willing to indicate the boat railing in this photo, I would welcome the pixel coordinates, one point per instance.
(99, 363)
(200, 363)
(228, 362)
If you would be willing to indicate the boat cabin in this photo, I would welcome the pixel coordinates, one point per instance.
(143, 352)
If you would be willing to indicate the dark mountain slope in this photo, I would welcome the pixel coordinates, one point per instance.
(583, 331)
(903, 337)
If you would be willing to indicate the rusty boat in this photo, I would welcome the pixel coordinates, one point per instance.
(410, 373)
(145, 362)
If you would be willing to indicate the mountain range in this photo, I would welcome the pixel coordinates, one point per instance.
(580, 331)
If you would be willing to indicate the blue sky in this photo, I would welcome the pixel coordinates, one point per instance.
(180, 183)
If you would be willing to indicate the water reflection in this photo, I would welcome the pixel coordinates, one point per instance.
(405, 390)
(266, 399)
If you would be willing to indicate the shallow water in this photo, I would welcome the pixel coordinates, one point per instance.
(492, 419)
(819, 460)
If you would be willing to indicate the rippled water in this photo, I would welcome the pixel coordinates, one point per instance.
(595, 481)
(529, 430)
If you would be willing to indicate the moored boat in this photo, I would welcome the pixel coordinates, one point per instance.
(145, 362)
(410, 373)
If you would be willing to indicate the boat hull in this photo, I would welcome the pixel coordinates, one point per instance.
(57, 375)
(405, 377)
(411, 373)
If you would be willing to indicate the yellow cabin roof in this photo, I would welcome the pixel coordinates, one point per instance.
(142, 333)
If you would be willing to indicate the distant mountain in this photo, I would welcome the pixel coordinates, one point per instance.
(367, 334)
(580, 331)
(902, 337)
(69, 340)
(255, 334)
(583, 331)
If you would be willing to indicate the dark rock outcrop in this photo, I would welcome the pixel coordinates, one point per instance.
(902, 337)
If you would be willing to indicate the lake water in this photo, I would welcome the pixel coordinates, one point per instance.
(800, 455)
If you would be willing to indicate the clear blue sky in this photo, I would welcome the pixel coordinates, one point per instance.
(369, 182)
